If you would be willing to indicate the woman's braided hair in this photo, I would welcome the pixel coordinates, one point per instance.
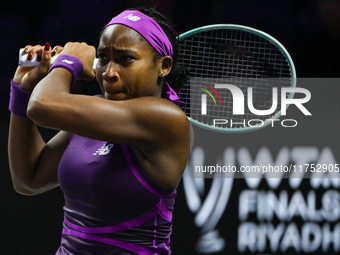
(179, 74)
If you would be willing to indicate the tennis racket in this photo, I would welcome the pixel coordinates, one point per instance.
(23, 61)
(221, 55)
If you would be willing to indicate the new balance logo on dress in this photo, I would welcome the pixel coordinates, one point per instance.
(132, 17)
(104, 150)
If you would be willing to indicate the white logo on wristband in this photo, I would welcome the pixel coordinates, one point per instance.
(67, 61)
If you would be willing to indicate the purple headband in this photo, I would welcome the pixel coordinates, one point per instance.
(153, 33)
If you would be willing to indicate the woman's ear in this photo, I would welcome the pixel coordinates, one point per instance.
(166, 65)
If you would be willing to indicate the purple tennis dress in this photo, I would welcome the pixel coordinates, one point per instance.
(111, 205)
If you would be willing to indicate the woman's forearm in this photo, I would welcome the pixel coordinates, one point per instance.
(48, 95)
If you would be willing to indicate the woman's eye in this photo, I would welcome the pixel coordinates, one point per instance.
(127, 58)
(103, 58)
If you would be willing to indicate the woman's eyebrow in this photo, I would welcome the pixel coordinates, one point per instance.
(102, 49)
(122, 50)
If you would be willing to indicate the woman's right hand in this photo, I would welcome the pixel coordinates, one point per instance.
(86, 54)
(28, 77)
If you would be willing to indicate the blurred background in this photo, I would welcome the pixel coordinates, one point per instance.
(309, 29)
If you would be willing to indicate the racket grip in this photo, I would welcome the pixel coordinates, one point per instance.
(23, 61)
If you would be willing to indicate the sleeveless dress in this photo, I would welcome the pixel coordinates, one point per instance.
(111, 205)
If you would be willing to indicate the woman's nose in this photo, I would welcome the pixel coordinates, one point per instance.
(111, 73)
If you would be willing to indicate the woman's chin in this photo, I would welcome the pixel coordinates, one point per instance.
(116, 96)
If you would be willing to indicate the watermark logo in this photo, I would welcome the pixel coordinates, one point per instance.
(247, 102)
(239, 99)
(204, 97)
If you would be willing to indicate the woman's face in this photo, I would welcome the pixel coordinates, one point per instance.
(126, 68)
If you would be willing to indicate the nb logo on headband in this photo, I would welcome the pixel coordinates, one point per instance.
(131, 17)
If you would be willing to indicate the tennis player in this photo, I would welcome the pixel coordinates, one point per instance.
(118, 157)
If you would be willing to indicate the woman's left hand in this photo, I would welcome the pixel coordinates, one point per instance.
(28, 77)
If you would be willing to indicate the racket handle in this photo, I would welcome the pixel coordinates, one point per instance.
(23, 61)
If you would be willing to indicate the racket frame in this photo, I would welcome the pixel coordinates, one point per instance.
(262, 34)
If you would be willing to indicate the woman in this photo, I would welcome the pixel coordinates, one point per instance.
(118, 158)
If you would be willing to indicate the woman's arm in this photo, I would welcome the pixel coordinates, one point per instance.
(33, 163)
(146, 122)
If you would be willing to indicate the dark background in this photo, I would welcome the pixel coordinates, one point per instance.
(309, 29)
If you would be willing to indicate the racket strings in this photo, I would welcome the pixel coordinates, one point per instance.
(231, 56)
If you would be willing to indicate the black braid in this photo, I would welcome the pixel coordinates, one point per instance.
(179, 74)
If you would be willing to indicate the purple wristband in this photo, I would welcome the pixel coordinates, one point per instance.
(71, 63)
(18, 100)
